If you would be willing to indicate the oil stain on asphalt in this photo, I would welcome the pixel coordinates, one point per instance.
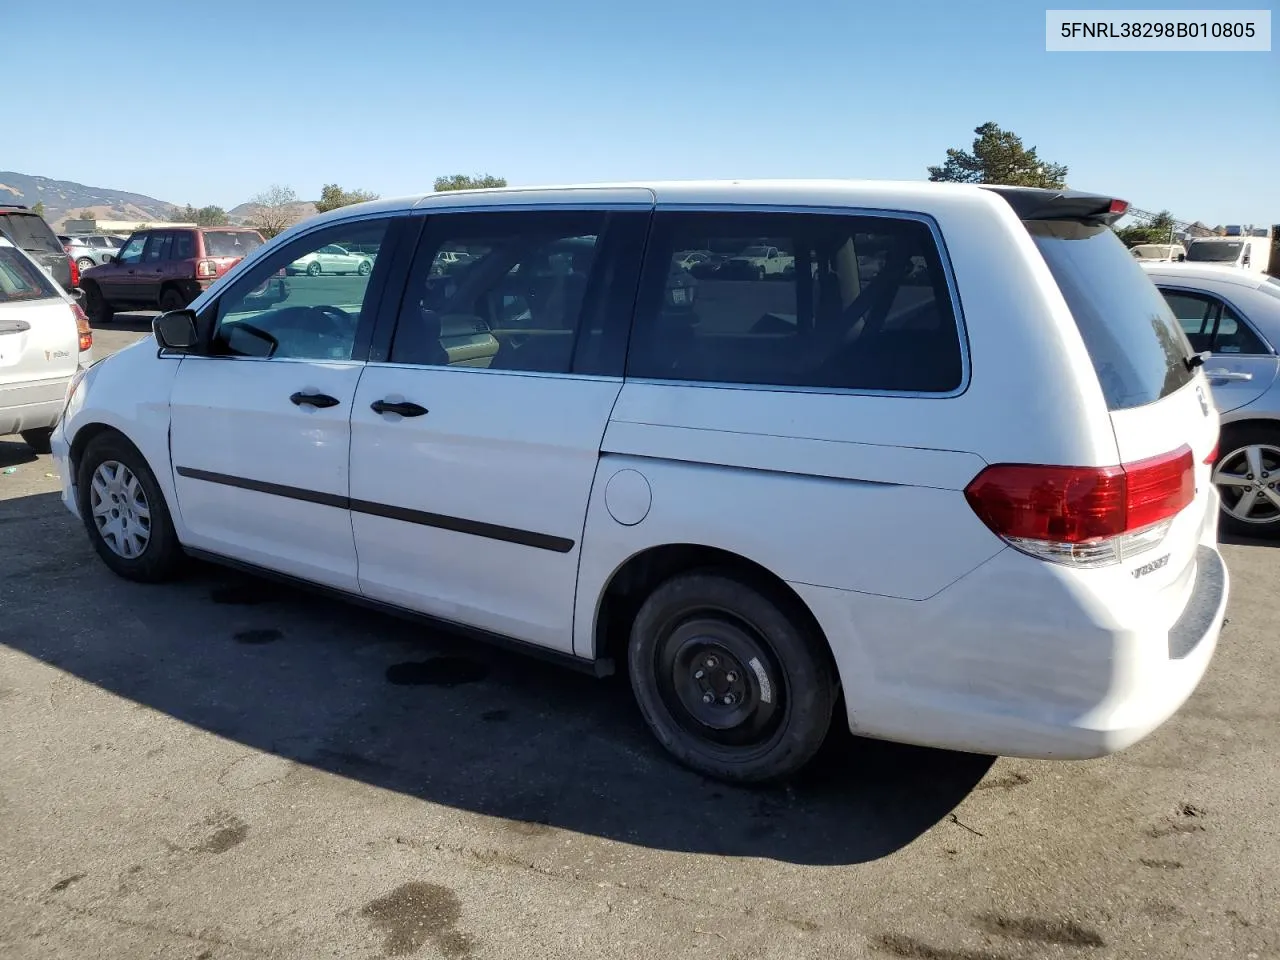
(436, 672)
(414, 913)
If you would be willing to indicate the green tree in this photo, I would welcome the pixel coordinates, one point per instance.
(274, 210)
(333, 196)
(461, 181)
(1157, 230)
(38, 208)
(86, 215)
(998, 156)
(210, 216)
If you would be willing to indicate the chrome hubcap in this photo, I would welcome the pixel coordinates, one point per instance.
(120, 509)
(1248, 480)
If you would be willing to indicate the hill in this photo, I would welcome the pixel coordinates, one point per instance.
(63, 199)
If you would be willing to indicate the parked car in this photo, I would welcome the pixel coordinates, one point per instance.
(1234, 316)
(1159, 251)
(985, 528)
(758, 262)
(1244, 253)
(44, 340)
(90, 250)
(332, 259)
(165, 268)
(26, 229)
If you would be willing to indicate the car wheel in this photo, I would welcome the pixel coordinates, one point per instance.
(365, 268)
(85, 263)
(95, 304)
(125, 513)
(313, 269)
(730, 679)
(172, 299)
(759, 273)
(1247, 476)
(39, 440)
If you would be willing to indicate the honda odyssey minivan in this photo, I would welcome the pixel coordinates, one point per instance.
(947, 476)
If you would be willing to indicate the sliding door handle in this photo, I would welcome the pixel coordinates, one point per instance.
(403, 407)
(314, 400)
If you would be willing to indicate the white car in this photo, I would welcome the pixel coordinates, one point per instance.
(332, 258)
(761, 261)
(986, 527)
(44, 340)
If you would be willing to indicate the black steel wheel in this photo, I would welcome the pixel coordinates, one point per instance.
(730, 678)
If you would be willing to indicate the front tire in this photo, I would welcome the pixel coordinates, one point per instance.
(85, 263)
(365, 268)
(730, 678)
(1247, 476)
(39, 440)
(96, 305)
(124, 512)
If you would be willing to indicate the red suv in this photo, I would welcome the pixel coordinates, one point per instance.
(165, 268)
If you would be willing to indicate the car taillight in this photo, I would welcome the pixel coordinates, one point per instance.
(75, 273)
(1084, 516)
(206, 269)
(1212, 458)
(83, 328)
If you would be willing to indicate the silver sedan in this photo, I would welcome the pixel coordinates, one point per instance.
(1234, 314)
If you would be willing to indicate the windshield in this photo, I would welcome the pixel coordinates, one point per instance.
(1215, 251)
(1137, 347)
(29, 232)
(20, 279)
(226, 243)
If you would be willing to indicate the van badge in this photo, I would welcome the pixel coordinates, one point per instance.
(1204, 404)
(1151, 567)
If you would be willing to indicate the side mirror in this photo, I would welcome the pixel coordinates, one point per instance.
(176, 330)
(113, 259)
(1182, 257)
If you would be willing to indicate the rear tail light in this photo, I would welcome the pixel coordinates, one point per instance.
(83, 328)
(1119, 206)
(206, 269)
(1084, 516)
(1212, 458)
(75, 273)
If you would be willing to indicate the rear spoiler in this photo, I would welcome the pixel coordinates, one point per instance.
(1036, 203)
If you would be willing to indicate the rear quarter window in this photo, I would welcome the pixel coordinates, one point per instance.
(20, 279)
(1137, 347)
(230, 244)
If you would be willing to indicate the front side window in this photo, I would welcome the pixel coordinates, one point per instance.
(275, 312)
(797, 300)
(500, 290)
(132, 251)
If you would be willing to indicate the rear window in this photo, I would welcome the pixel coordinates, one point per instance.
(1215, 251)
(29, 232)
(1137, 347)
(226, 243)
(20, 279)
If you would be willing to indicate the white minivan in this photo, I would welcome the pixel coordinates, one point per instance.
(948, 477)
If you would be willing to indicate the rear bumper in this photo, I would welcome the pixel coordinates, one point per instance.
(31, 406)
(1013, 662)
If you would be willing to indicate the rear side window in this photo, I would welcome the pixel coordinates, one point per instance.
(29, 232)
(226, 243)
(1137, 347)
(20, 279)
(796, 300)
(184, 247)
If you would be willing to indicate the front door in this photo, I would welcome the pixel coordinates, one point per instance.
(260, 433)
(117, 280)
(474, 444)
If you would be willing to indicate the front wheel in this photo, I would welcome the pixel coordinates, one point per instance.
(96, 305)
(365, 268)
(85, 263)
(730, 679)
(1247, 476)
(313, 269)
(124, 512)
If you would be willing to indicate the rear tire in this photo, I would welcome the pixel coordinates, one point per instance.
(124, 512)
(1249, 455)
(85, 263)
(39, 440)
(313, 268)
(95, 305)
(730, 678)
(172, 299)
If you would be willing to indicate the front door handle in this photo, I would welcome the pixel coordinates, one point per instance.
(404, 408)
(1232, 376)
(314, 400)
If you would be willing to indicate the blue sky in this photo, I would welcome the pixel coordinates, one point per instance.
(212, 102)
